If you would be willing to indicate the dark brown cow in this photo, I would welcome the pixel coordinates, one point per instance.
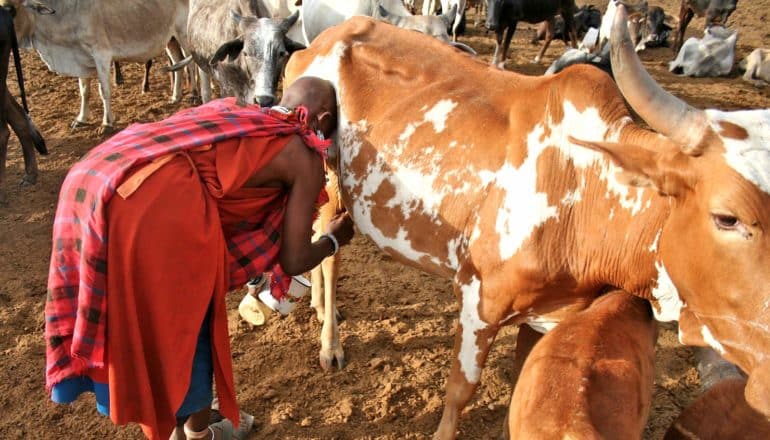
(534, 194)
(504, 15)
(11, 113)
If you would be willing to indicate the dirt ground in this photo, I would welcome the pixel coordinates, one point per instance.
(399, 329)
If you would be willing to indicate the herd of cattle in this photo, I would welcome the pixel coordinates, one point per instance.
(534, 195)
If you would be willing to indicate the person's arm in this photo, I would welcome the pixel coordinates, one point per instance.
(301, 170)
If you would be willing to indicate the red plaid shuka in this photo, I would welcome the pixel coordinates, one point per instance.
(75, 311)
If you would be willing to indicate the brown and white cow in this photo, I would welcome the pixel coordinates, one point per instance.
(590, 377)
(495, 189)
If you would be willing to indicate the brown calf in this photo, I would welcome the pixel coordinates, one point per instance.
(591, 377)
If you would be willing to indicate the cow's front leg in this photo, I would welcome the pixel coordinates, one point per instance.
(331, 347)
(84, 85)
(103, 75)
(472, 342)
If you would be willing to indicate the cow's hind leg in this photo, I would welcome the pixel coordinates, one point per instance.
(146, 78)
(84, 85)
(29, 138)
(175, 54)
(507, 43)
(103, 74)
(118, 74)
(547, 41)
(474, 337)
(4, 134)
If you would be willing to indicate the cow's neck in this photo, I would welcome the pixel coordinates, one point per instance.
(620, 245)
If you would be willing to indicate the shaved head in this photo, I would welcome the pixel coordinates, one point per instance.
(318, 96)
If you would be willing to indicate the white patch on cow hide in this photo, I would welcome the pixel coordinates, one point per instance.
(708, 338)
(666, 296)
(541, 324)
(523, 208)
(749, 157)
(439, 114)
(654, 246)
(471, 323)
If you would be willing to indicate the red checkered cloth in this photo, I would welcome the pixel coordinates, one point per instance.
(75, 311)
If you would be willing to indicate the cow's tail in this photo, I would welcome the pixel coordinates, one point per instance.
(37, 138)
(17, 63)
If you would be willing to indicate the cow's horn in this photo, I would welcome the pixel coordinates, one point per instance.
(663, 111)
(289, 21)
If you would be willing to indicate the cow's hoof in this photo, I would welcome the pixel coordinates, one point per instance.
(174, 100)
(500, 65)
(28, 180)
(194, 100)
(105, 130)
(78, 124)
(536, 60)
(328, 358)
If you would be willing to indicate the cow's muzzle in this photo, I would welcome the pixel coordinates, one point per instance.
(265, 100)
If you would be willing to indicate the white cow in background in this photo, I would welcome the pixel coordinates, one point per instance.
(712, 55)
(757, 67)
(83, 38)
(319, 15)
(284, 9)
(429, 8)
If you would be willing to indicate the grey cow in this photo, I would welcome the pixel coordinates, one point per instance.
(240, 47)
(83, 38)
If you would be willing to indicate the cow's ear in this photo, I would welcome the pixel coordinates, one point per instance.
(292, 46)
(39, 7)
(230, 50)
(642, 167)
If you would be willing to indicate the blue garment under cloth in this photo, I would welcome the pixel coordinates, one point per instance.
(198, 396)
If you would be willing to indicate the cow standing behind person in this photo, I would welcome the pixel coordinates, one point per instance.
(503, 16)
(589, 378)
(524, 192)
(457, 25)
(254, 43)
(320, 15)
(715, 11)
(83, 38)
(175, 54)
(11, 113)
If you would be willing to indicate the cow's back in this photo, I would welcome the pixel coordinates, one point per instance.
(424, 149)
(591, 376)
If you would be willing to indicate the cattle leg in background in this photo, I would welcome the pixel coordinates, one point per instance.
(324, 283)
(501, 47)
(118, 76)
(685, 15)
(590, 377)
(12, 113)
(146, 77)
(103, 76)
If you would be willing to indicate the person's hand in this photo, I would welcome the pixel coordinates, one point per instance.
(341, 226)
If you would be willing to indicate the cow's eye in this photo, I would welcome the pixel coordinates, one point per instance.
(725, 221)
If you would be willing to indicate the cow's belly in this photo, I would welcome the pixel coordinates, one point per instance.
(68, 61)
(405, 207)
